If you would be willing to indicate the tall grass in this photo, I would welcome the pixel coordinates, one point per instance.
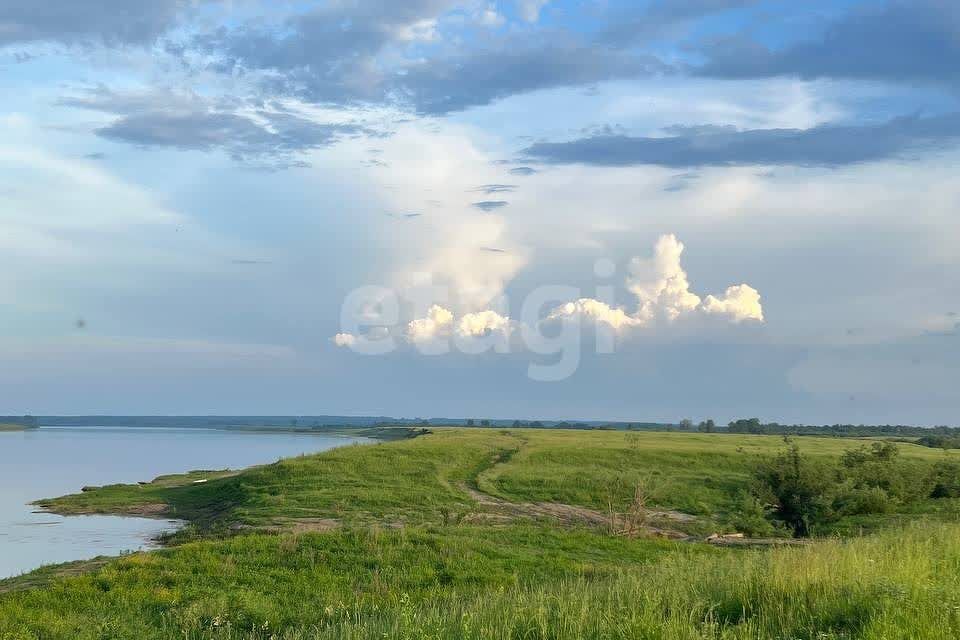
(889, 586)
(884, 588)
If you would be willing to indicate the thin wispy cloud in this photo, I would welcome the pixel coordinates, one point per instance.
(496, 188)
(187, 121)
(490, 205)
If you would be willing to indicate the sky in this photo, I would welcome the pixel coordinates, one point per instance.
(555, 209)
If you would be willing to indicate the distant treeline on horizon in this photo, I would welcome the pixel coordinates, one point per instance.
(939, 437)
(313, 422)
(940, 434)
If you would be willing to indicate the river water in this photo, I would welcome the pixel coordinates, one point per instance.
(53, 461)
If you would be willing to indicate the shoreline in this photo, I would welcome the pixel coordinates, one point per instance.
(171, 523)
(15, 428)
(157, 511)
(61, 505)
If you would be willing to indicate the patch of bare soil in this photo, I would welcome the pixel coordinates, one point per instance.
(154, 510)
(497, 510)
(312, 525)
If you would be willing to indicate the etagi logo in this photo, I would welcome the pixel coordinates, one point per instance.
(549, 323)
(378, 320)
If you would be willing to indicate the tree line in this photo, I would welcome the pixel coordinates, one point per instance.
(929, 436)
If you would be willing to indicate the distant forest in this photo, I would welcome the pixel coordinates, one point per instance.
(937, 437)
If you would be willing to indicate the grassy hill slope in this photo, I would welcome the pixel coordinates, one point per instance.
(391, 540)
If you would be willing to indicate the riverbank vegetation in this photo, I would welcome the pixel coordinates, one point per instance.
(18, 424)
(515, 533)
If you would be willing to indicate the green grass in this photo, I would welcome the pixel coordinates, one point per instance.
(408, 561)
(513, 582)
(289, 581)
(902, 585)
(408, 481)
(692, 472)
(701, 474)
(418, 480)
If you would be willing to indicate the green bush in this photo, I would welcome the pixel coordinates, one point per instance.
(939, 441)
(863, 501)
(872, 479)
(800, 490)
(945, 480)
(752, 519)
(880, 467)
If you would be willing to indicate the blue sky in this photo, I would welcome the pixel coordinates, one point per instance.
(533, 208)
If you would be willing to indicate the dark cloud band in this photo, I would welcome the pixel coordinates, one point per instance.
(901, 41)
(827, 145)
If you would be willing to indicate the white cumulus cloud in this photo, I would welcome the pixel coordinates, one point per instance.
(437, 322)
(482, 323)
(740, 302)
(660, 283)
(663, 294)
(440, 321)
(599, 311)
(344, 339)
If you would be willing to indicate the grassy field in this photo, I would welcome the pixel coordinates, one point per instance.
(391, 540)
(421, 480)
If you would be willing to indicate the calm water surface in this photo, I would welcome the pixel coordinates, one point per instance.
(53, 461)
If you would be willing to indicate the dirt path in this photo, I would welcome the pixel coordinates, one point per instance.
(639, 522)
(494, 509)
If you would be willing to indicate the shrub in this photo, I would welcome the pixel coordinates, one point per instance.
(799, 489)
(752, 519)
(868, 480)
(862, 501)
(945, 480)
(939, 442)
(879, 467)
